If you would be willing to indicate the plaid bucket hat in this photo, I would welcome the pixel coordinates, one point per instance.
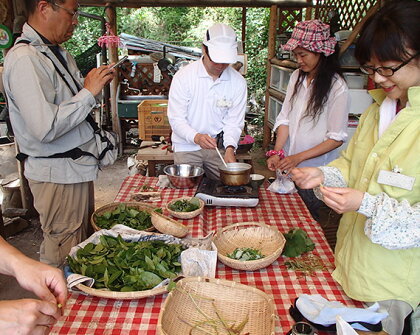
(312, 35)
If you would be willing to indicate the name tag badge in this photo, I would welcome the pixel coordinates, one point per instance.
(396, 179)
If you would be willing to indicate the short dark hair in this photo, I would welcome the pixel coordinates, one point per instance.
(206, 49)
(389, 33)
(30, 5)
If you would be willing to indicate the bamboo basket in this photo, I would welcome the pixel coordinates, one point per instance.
(122, 295)
(185, 215)
(234, 302)
(105, 293)
(114, 205)
(268, 240)
(166, 225)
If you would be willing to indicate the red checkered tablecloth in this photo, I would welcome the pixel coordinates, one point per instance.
(91, 315)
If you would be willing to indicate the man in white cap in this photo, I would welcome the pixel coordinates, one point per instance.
(208, 97)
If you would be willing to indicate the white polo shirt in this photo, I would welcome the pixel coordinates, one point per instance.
(199, 104)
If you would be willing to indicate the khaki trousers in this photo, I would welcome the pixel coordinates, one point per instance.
(64, 212)
(208, 159)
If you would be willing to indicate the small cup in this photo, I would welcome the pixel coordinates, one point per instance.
(302, 328)
(256, 180)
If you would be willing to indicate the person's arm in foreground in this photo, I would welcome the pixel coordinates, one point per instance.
(390, 223)
(31, 316)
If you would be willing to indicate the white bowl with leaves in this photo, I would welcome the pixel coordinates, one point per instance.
(185, 207)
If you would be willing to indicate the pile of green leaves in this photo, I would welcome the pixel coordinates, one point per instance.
(297, 243)
(127, 266)
(245, 254)
(185, 205)
(127, 216)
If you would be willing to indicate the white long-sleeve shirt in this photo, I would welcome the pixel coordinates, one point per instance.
(305, 133)
(199, 104)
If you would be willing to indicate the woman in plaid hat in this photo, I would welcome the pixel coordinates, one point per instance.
(376, 181)
(312, 124)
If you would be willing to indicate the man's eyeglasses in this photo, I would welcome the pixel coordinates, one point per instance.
(385, 71)
(74, 14)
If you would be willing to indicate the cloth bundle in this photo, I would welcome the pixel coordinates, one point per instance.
(283, 184)
(322, 313)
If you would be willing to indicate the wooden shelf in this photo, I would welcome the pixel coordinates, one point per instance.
(278, 95)
(284, 62)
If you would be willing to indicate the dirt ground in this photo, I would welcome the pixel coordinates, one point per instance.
(106, 188)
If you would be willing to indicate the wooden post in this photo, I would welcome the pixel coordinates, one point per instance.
(6, 13)
(243, 28)
(272, 33)
(6, 17)
(308, 14)
(1, 224)
(113, 56)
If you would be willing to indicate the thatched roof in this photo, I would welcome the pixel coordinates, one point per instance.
(196, 3)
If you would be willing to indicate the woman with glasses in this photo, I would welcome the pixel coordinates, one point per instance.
(376, 181)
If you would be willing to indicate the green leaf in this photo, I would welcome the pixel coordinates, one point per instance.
(149, 262)
(297, 243)
(150, 279)
(245, 254)
(132, 212)
(118, 264)
(171, 286)
(115, 275)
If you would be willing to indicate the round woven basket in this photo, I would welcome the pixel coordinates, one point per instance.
(110, 207)
(121, 295)
(166, 225)
(185, 215)
(268, 240)
(195, 300)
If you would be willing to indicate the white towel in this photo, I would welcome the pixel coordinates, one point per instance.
(319, 310)
(343, 328)
(75, 279)
(387, 113)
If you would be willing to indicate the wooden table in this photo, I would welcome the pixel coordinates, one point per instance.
(162, 155)
(90, 315)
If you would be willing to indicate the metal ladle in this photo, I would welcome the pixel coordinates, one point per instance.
(221, 157)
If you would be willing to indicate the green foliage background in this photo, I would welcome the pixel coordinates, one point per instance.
(184, 26)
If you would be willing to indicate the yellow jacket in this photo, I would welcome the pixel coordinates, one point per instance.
(367, 271)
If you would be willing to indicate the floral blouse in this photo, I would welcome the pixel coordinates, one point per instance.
(392, 224)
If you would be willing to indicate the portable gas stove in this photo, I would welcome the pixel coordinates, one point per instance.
(214, 193)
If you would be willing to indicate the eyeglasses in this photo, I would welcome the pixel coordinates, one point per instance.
(385, 71)
(74, 14)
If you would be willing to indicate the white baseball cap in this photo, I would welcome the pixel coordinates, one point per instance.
(221, 42)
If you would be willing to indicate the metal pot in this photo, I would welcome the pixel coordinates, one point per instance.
(235, 174)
